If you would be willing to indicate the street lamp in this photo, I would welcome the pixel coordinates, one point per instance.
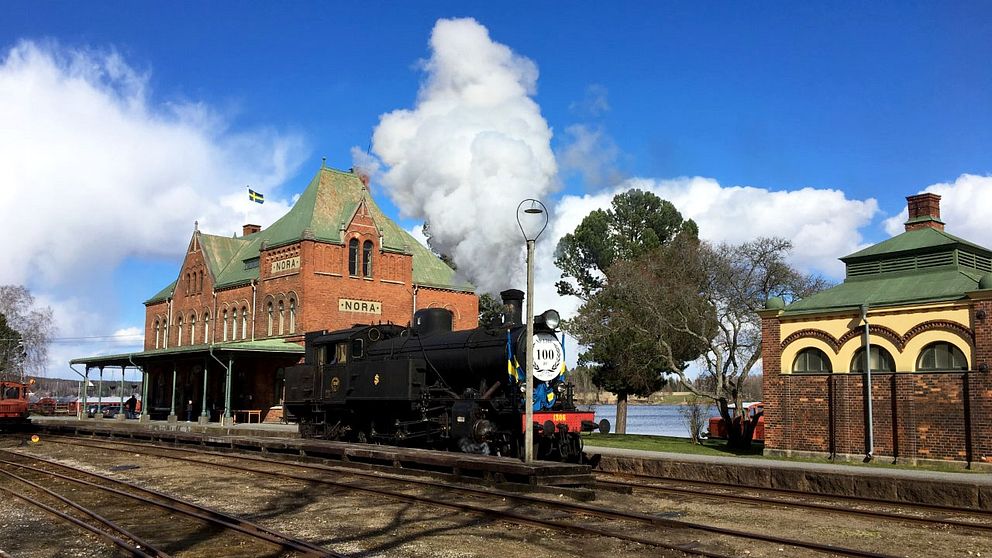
(532, 217)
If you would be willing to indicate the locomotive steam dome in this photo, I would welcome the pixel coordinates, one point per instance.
(547, 356)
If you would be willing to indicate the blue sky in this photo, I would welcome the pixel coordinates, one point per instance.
(811, 121)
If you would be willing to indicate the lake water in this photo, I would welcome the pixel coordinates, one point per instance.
(658, 420)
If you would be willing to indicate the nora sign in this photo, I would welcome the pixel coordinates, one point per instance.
(288, 264)
(361, 306)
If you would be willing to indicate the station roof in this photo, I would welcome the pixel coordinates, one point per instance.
(918, 266)
(322, 213)
(270, 346)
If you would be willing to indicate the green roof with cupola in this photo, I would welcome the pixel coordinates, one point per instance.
(322, 213)
(922, 265)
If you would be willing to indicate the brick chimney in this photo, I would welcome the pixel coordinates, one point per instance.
(251, 229)
(924, 212)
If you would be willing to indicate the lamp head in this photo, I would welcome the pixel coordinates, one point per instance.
(532, 217)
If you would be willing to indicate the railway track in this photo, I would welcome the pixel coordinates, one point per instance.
(933, 515)
(153, 525)
(668, 533)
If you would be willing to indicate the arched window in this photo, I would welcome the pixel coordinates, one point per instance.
(353, 257)
(244, 322)
(156, 334)
(225, 325)
(201, 280)
(282, 318)
(179, 325)
(941, 356)
(811, 360)
(292, 315)
(206, 327)
(234, 324)
(187, 284)
(881, 360)
(192, 329)
(270, 312)
(367, 258)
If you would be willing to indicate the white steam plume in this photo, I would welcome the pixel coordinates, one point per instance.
(471, 149)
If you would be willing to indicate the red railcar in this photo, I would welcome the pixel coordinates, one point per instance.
(13, 404)
(718, 428)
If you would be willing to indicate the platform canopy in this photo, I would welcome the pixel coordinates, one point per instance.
(241, 348)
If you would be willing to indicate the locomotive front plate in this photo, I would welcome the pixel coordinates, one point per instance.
(547, 356)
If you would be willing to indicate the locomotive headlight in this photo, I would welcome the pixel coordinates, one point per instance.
(551, 318)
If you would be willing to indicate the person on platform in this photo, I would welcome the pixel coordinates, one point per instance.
(130, 406)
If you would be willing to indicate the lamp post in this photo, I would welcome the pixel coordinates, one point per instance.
(532, 217)
(871, 417)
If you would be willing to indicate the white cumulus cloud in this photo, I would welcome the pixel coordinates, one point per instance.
(95, 171)
(823, 224)
(474, 145)
(961, 208)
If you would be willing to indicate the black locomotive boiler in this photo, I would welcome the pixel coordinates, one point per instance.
(428, 386)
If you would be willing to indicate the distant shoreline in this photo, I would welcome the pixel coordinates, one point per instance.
(661, 398)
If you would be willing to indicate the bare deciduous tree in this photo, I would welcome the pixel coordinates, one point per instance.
(670, 308)
(34, 326)
(693, 417)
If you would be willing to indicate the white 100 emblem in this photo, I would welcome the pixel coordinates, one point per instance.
(547, 357)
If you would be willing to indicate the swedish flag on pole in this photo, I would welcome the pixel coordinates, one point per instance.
(255, 196)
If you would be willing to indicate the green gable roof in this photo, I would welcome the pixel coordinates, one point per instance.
(890, 290)
(920, 240)
(321, 213)
(164, 294)
(918, 266)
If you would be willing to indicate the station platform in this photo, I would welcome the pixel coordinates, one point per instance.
(917, 486)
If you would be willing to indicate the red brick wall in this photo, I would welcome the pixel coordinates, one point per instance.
(191, 298)
(980, 384)
(943, 416)
(464, 306)
(772, 384)
(916, 415)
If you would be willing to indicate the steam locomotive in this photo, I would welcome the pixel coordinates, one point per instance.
(428, 386)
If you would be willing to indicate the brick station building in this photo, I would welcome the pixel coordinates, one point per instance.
(928, 301)
(218, 336)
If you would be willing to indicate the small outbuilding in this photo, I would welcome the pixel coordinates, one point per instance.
(919, 307)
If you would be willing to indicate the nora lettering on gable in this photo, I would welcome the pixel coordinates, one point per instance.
(287, 264)
(361, 306)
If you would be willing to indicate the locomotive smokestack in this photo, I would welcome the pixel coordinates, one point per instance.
(513, 300)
